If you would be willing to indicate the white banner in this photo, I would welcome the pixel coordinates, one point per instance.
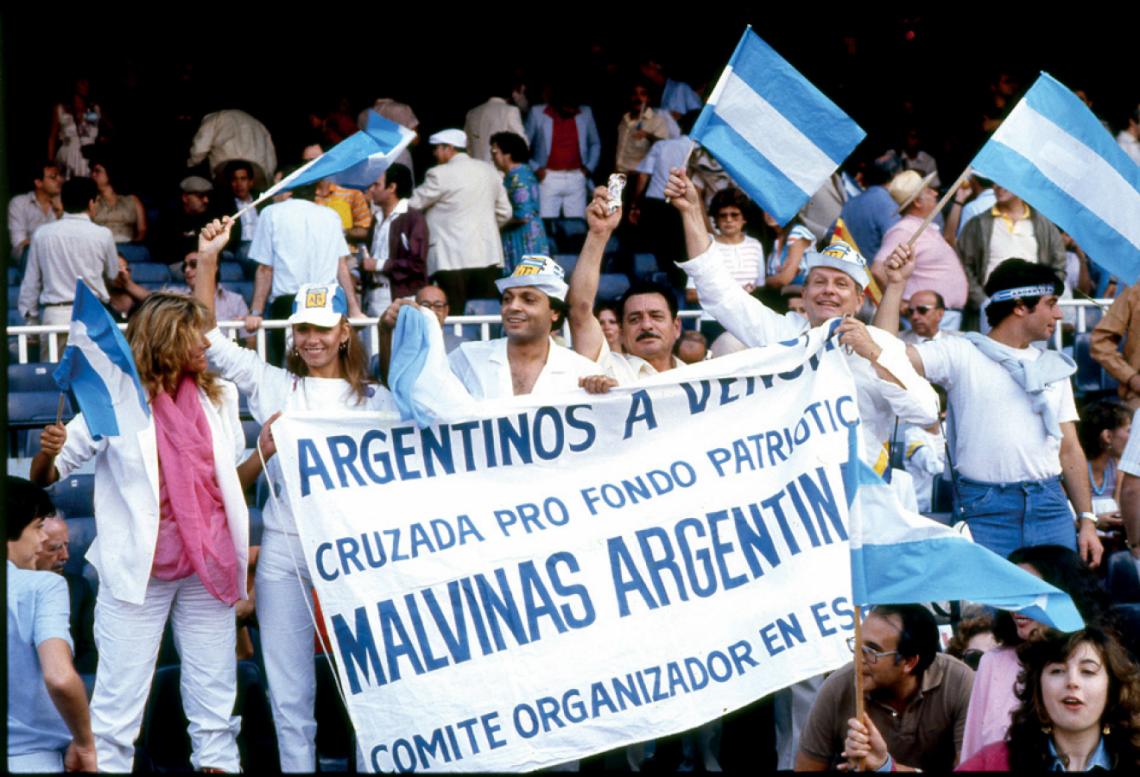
(549, 581)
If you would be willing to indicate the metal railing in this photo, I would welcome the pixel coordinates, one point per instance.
(370, 328)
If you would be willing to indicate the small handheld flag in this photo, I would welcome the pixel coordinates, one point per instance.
(98, 367)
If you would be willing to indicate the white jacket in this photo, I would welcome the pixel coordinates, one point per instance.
(126, 495)
(464, 203)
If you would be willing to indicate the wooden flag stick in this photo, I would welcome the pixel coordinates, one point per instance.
(859, 764)
(938, 209)
(59, 408)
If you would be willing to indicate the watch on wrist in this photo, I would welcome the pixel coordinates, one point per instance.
(1089, 517)
(256, 313)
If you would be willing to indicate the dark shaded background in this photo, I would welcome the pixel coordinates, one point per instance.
(157, 73)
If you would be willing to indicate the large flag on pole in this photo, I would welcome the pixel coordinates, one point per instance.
(356, 161)
(1054, 153)
(98, 367)
(900, 557)
(775, 133)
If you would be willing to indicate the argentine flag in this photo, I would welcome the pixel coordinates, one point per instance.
(98, 367)
(776, 134)
(356, 161)
(900, 557)
(1052, 152)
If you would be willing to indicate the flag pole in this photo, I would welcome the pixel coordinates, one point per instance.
(858, 764)
(938, 208)
(59, 408)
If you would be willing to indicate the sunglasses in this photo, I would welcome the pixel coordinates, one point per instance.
(920, 309)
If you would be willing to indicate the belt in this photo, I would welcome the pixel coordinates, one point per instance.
(57, 304)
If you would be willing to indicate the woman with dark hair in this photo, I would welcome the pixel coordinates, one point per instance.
(741, 254)
(1103, 431)
(607, 314)
(173, 536)
(993, 699)
(524, 234)
(123, 214)
(1079, 709)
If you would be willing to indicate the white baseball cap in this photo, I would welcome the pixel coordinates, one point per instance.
(319, 304)
(449, 137)
(840, 256)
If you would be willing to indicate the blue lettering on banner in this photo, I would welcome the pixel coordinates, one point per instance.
(444, 745)
(342, 556)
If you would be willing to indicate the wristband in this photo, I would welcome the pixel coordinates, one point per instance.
(256, 313)
(888, 765)
(1089, 517)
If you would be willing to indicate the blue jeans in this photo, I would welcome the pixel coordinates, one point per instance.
(1006, 516)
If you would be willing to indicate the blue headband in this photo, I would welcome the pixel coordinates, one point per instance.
(1022, 292)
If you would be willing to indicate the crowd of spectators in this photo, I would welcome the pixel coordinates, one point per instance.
(965, 411)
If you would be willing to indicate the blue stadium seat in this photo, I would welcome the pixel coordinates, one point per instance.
(134, 253)
(482, 307)
(231, 271)
(244, 288)
(13, 296)
(13, 277)
(243, 406)
(80, 535)
(374, 366)
(566, 262)
(644, 265)
(613, 245)
(36, 408)
(74, 495)
(35, 376)
(145, 273)
(14, 319)
(612, 285)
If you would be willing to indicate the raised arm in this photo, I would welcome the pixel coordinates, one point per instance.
(683, 195)
(896, 270)
(211, 240)
(584, 328)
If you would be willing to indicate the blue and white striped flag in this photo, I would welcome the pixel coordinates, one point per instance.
(98, 367)
(1052, 152)
(900, 557)
(356, 161)
(776, 134)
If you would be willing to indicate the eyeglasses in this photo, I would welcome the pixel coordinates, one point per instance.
(730, 214)
(433, 305)
(869, 653)
(921, 309)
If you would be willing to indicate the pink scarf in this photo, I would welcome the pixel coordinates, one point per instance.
(193, 535)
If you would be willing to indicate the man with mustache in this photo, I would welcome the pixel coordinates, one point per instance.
(648, 316)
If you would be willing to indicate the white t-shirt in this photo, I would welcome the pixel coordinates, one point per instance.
(626, 368)
(744, 261)
(485, 371)
(998, 436)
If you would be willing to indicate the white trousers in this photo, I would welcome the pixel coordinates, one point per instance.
(54, 314)
(562, 192)
(128, 638)
(287, 634)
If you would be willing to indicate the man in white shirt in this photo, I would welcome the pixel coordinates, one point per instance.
(647, 311)
(1014, 419)
(64, 250)
(886, 385)
(30, 210)
(527, 360)
(297, 242)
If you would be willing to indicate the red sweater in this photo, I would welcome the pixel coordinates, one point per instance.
(991, 758)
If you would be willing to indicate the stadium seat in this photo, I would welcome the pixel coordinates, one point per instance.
(644, 266)
(145, 273)
(74, 495)
(34, 376)
(36, 408)
(134, 253)
(567, 234)
(13, 277)
(374, 366)
(612, 285)
(566, 262)
(1123, 579)
(244, 288)
(231, 271)
(484, 306)
(13, 296)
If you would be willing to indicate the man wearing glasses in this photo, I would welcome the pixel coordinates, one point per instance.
(924, 311)
(915, 700)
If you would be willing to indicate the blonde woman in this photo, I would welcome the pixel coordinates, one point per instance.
(173, 537)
